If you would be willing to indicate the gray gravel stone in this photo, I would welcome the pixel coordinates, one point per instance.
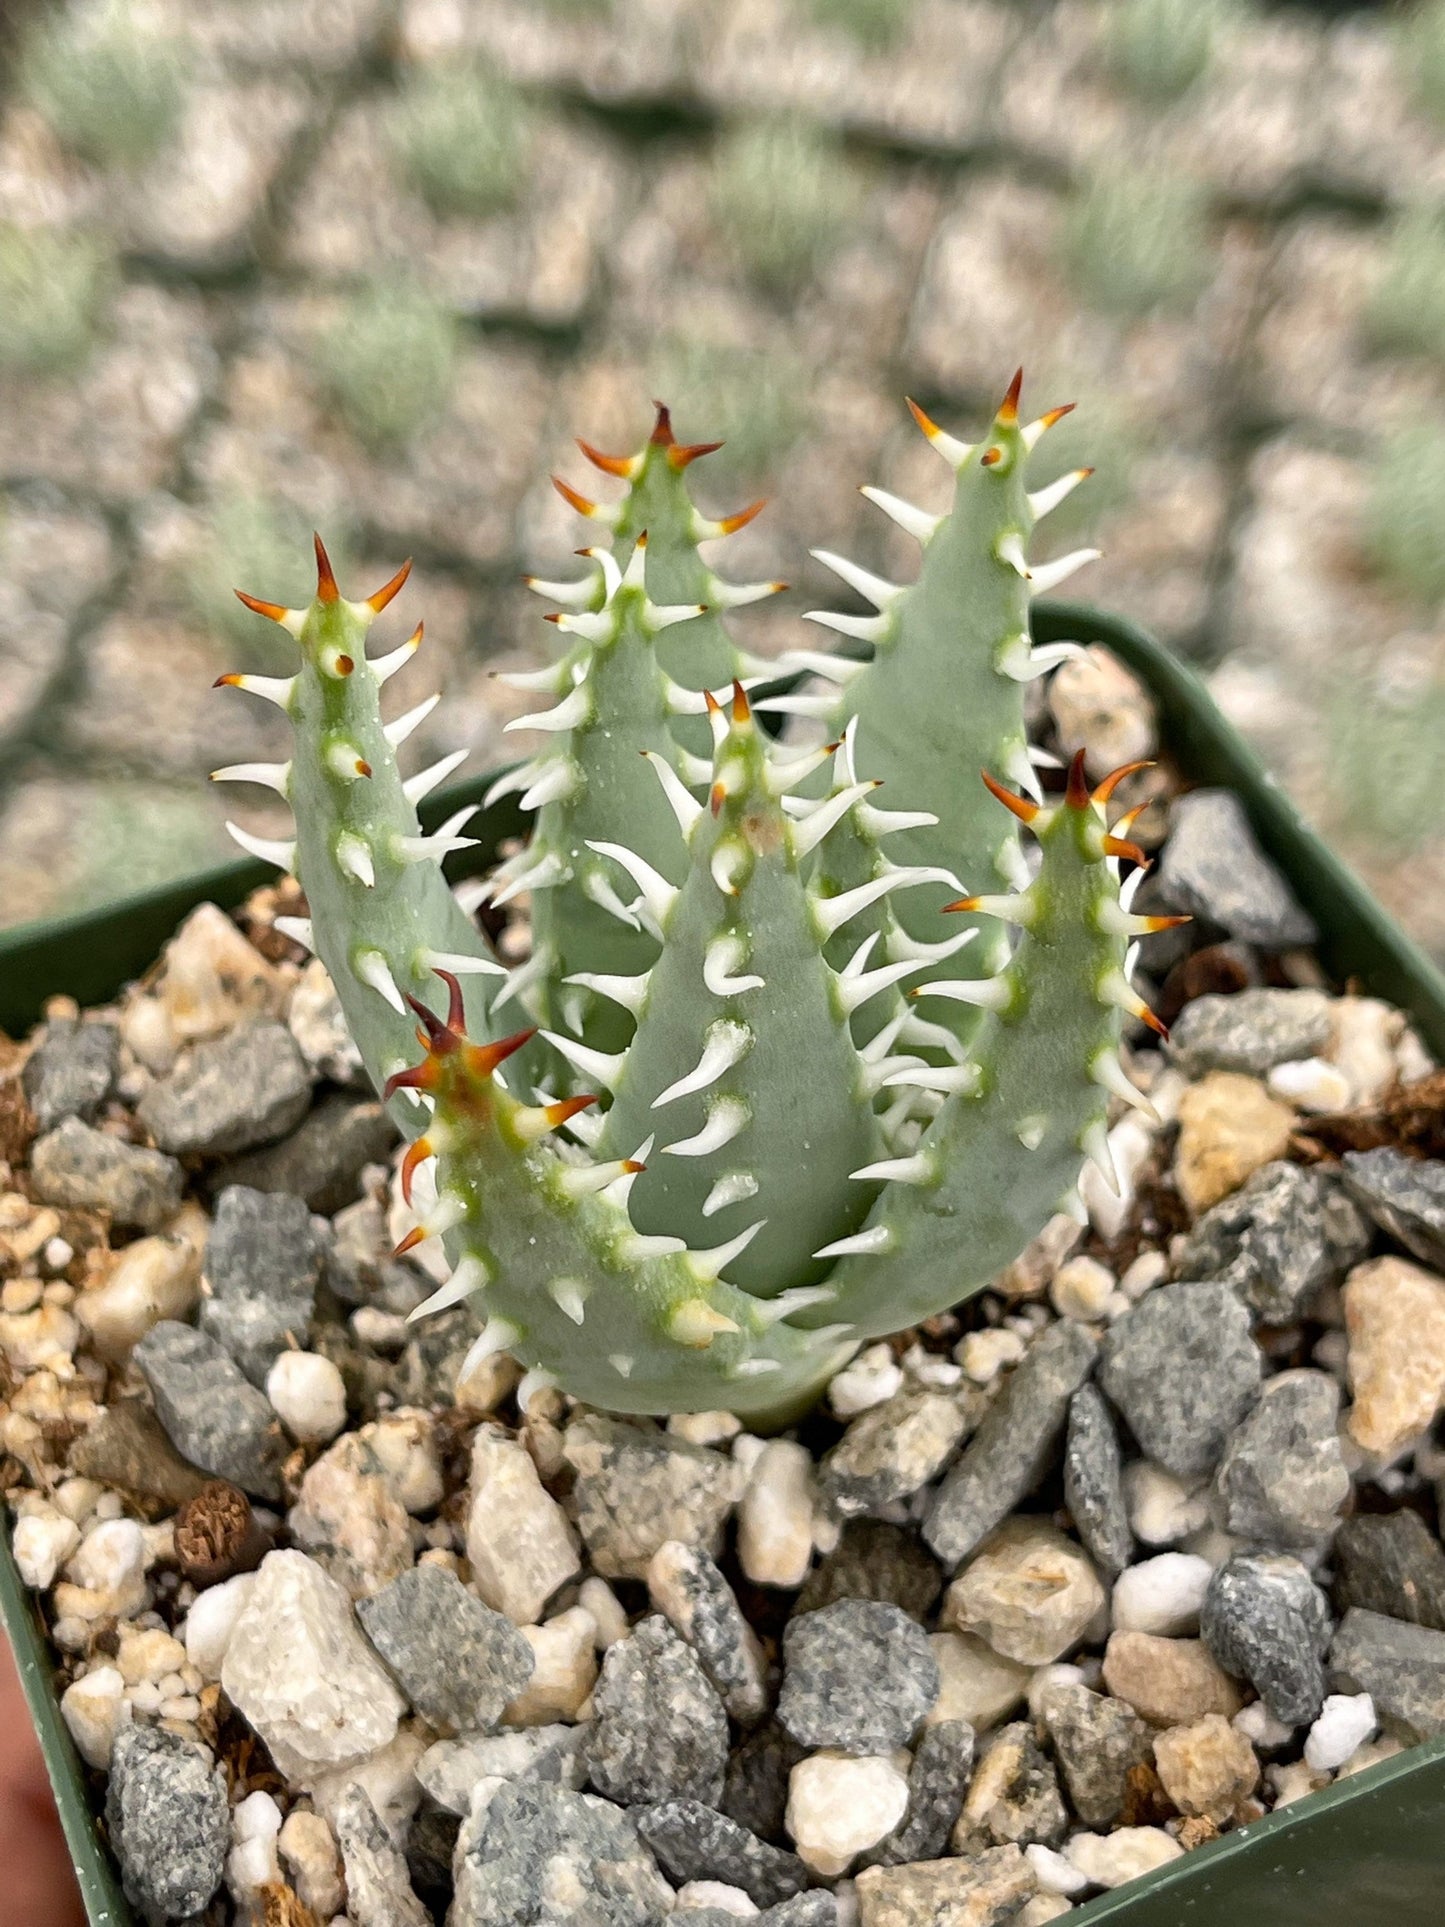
(323, 1160)
(211, 1413)
(1093, 1481)
(875, 1560)
(695, 1842)
(687, 1587)
(1404, 1196)
(457, 1661)
(637, 1488)
(1183, 1369)
(1214, 868)
(169, 1821)
(71, 1072)
(1289, 1230)
(245, 1088)
(1283, 1477)
(83, 1169)
(540, 1855)
(937, 1782)
(660, 1732)
(1012, 1448)
(858, 1676)
(451, 1770)
(816, 1908)
(263, 1261)
(1401, 1667)
(1265, 1620)
(755, 1791)
(378, 1881)
(1251, 1031)
(1096, 1740)
(893, 1450)
(1391, 1563)
(1014, 1798)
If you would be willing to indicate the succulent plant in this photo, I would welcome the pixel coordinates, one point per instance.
(1421, 55)
(775, 1078)
(462, 138)
(1406, 314)
(872, 23)
(1406, 512)
(389, 361)
(54, 289)
(1160, 48)
(1134, 239)
(782, 195)
(112, 90)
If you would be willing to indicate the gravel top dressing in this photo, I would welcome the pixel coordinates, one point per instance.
(1134, 1547)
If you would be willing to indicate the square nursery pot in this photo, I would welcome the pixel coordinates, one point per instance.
(1368, 1849)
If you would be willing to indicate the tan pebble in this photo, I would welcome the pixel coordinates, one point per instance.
(1098, 707)
(1081, 1289)
(1228, 1126)
(1395, 1320)
(154, 1278)
(1170, 1682)
(1207, 1768)
(977, 1684)
(1030, 1273)
(1029, 1591)
(564, 1652)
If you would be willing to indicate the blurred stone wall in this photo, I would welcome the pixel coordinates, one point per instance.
(781, 215)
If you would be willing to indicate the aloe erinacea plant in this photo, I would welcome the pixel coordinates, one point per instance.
(789, 1066)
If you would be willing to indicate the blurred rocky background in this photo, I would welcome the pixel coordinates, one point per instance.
(370, 264)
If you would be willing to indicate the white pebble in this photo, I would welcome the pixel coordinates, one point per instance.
(872, 1376)
(42, 1542)
(110, 1565)
(1310, 1084)
(1058, 1673)
(1042, 1909)
(252, 1863)
(1293, 1782)
(308, 1395)
(717, 1893)
(1162, 1510)
(77, 1498)
(775, 1517)
(927, 1368)
(1109, 1859)
(1149, 1269)
(1162, 1595)
(1259, 1726)
(519, 1543)
(1081, 1289)
(838, 1807)
(1346, 1721)
(58, 1254)
(748, 1448)
(1055, 1874)
(211, 1621)
(608, 1614)
(93, 1709)
(984, 1354)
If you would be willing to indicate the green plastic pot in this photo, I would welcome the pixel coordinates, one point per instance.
(1370, 1849)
